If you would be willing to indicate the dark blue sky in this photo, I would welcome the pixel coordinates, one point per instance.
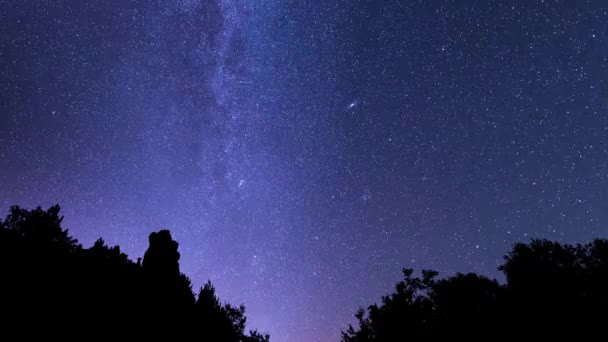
(303, 152)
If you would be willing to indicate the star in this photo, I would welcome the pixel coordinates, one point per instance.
(216, 119)
(352, 105)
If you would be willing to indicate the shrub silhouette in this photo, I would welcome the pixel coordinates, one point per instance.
(49, 283)
(552, 291)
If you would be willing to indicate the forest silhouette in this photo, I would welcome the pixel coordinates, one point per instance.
(553, 291)
(51, 286)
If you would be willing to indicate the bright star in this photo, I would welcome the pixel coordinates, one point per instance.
(352, 104)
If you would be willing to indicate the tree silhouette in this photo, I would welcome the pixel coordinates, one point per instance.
(552, 291)
(465, 305)
(49, 282)
(561, 287)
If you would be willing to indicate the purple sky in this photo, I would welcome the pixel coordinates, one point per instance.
(303, 152)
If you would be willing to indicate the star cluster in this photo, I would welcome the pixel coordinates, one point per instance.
(303, 152)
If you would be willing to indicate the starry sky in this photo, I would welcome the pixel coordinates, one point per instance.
(303, 152)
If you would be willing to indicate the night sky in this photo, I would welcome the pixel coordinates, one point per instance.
(303, 152)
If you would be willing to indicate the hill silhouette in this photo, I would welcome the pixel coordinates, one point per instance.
(553, 291)
(51, 286)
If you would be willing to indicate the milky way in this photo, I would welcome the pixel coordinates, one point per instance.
(303, 152)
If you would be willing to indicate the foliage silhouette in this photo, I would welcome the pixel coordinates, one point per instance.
(552, 291)
(50, 283)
